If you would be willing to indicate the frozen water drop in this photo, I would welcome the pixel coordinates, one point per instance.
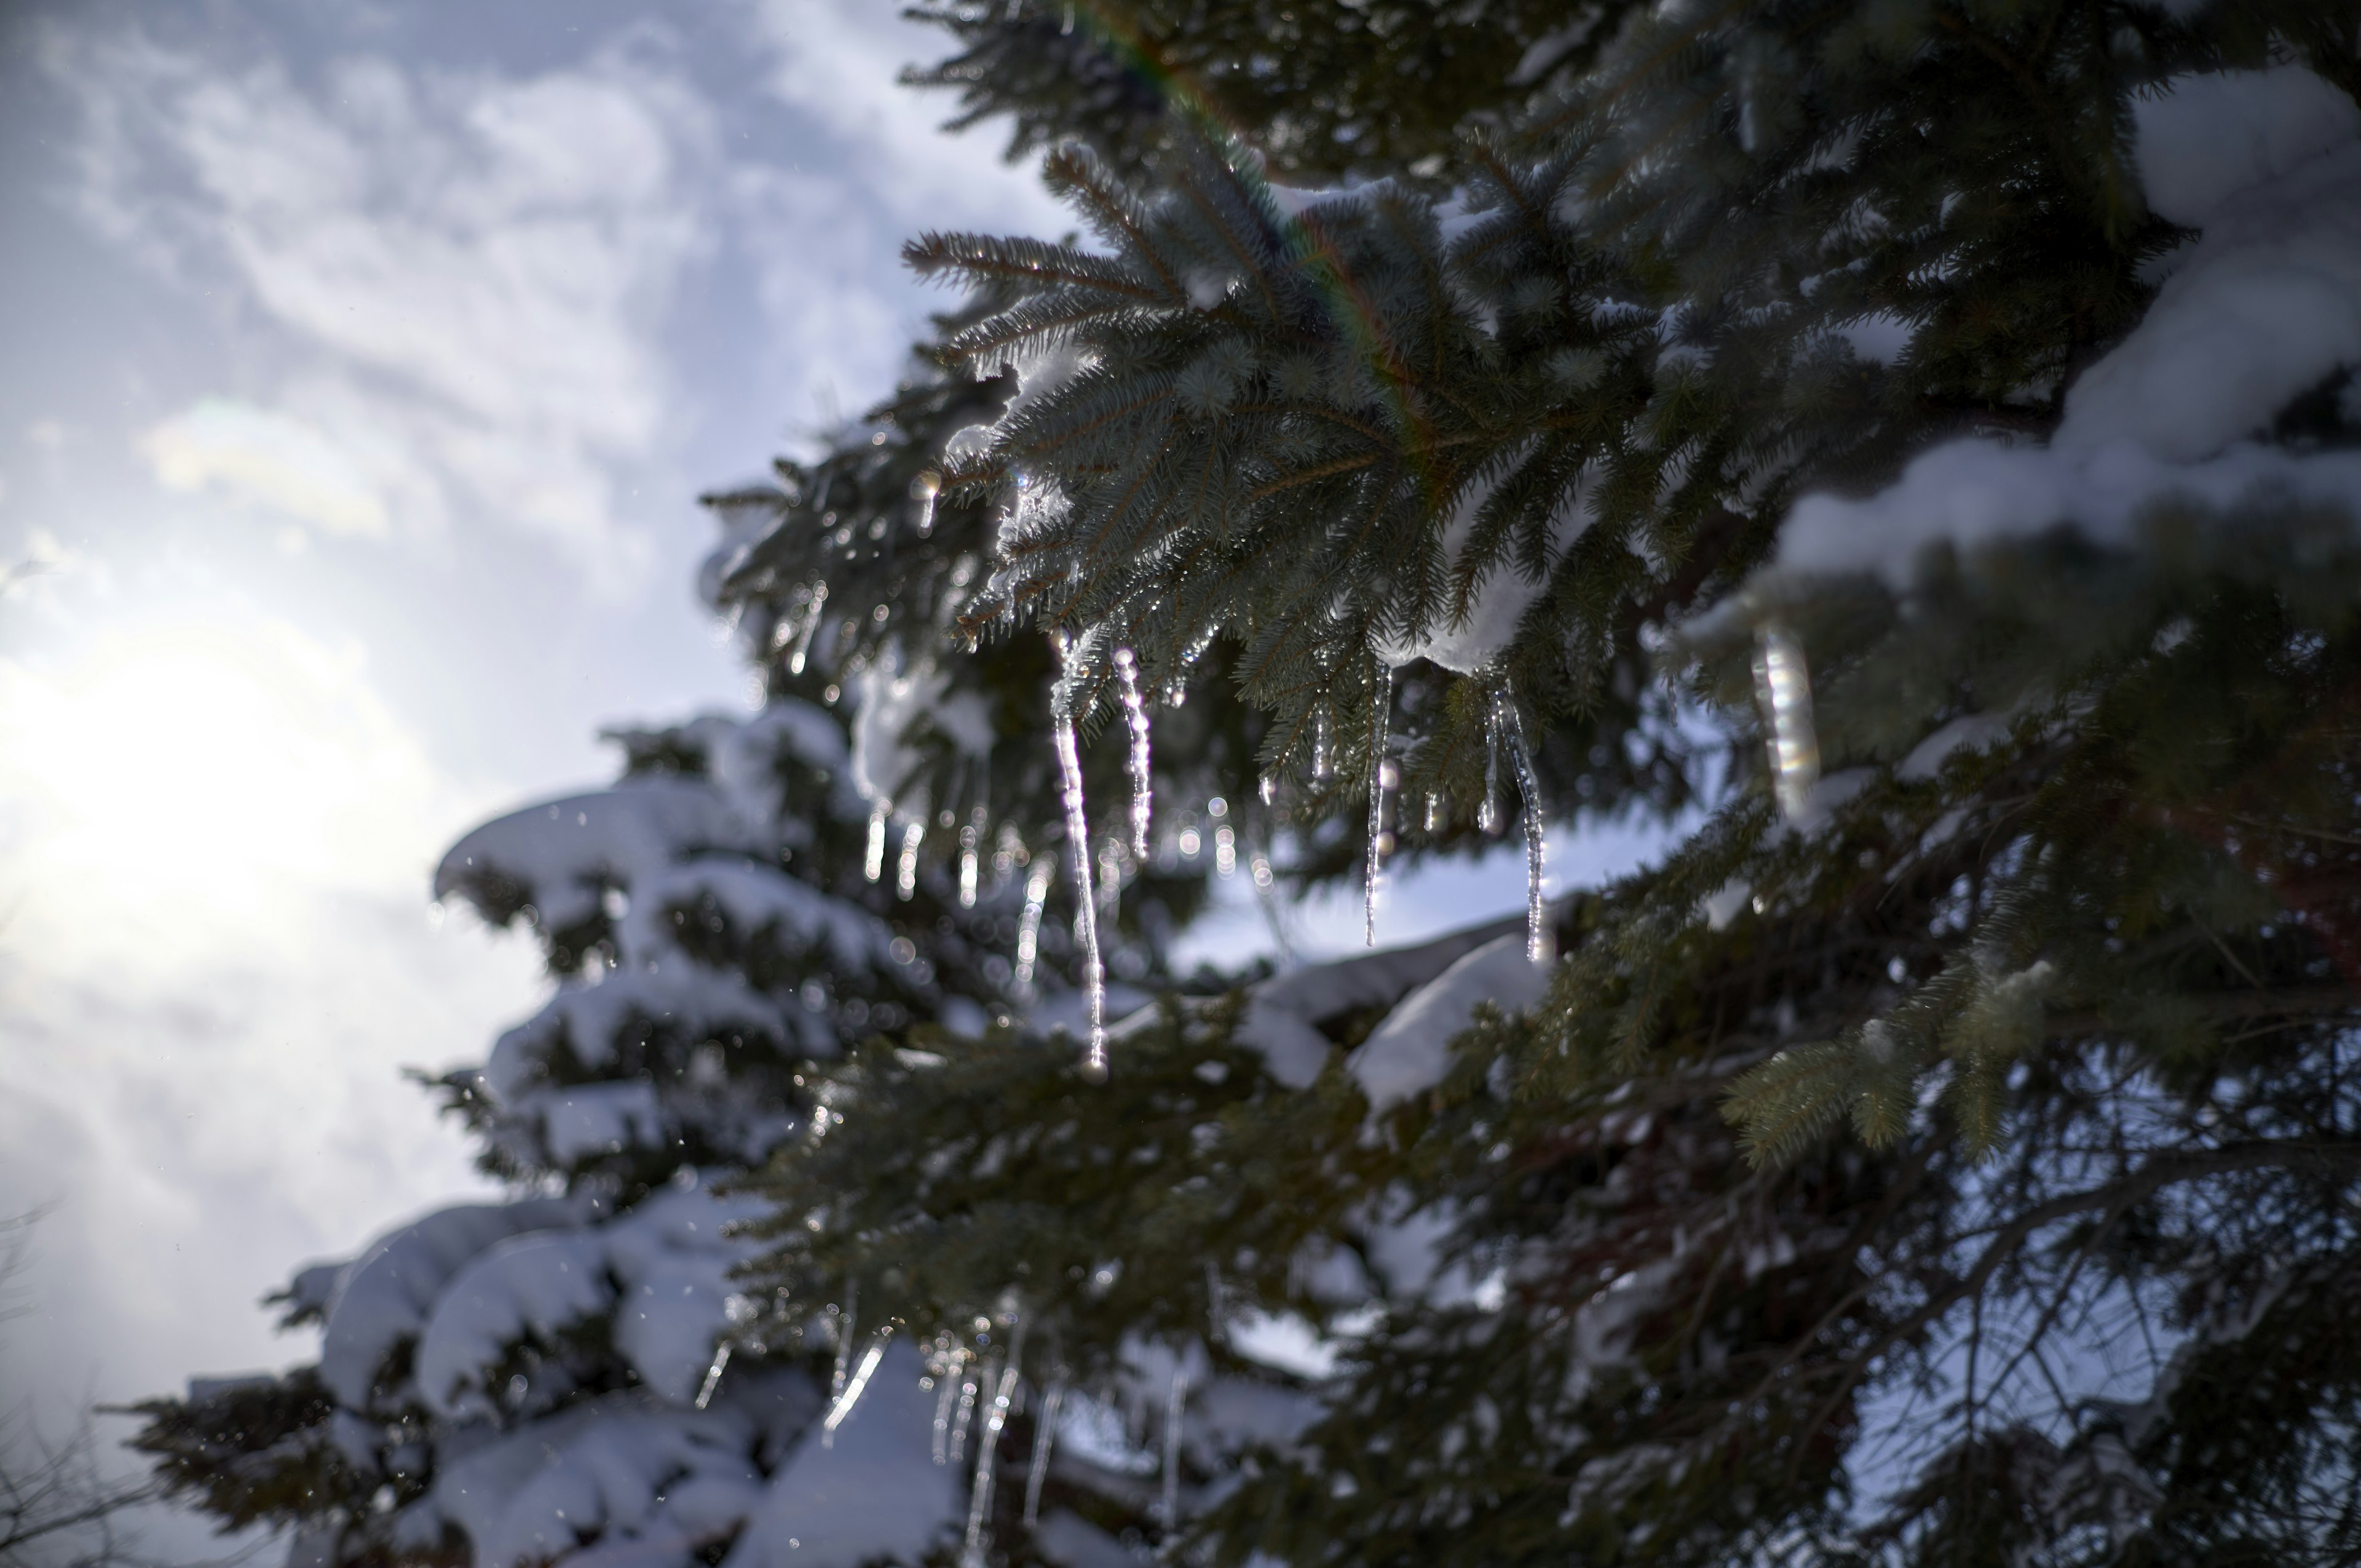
(873, 865)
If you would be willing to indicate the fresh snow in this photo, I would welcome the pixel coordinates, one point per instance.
(647, 1482)
(1406, 1055)
(1284, 1012)
(2263, 307)
(2203, 137)
(382, 1297)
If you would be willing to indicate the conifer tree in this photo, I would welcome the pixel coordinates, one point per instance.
(1908, 449)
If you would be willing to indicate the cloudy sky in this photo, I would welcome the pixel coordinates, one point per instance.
(363, 361)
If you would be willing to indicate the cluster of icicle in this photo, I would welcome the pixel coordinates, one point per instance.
(1504, 734)
(978, 1392)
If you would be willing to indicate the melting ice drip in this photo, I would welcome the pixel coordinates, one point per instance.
(1783, 688)
(1135, 718)
(1508, 730)
(1086, 914)
(1380, 767)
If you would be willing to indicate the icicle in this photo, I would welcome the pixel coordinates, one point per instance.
(1110, 882)
(854, 1386)
(1783, 687)
(1086, 920)
(811, 625)
(1045, 1430)
(1267, 788)
(1323, 745)
(1028, 930)
(1487, 814)
(1511, 726)
(1434, 812)
(713, 1375)
(987, 1450)
(843, 1341)
(1174, 1401)
(960, 1416)
(923, 489)
(873, 865)
(943, 1403)
(1134, 715)
(905, 875)
(1380, 711)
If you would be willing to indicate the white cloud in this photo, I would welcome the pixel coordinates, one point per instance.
(214, 840)
(486, 262)
(271, 457)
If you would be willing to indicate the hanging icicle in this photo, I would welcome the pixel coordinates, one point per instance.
(1135, 718)
(1434, 812)
(1028, 929)
(987, 1452)
(959, 1417)
(1381, 714)
(905, 875)
(971, 841)
(1086, 917)
(1045, 1431)
(1323, 745)
(1175, 1401)
(855, 1387)
(873, 864)
(946, 1399)
(1510, 724)
(1783, 688)
(818, 602)
(713, 1375)
(1487, 813)
(923, 489)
